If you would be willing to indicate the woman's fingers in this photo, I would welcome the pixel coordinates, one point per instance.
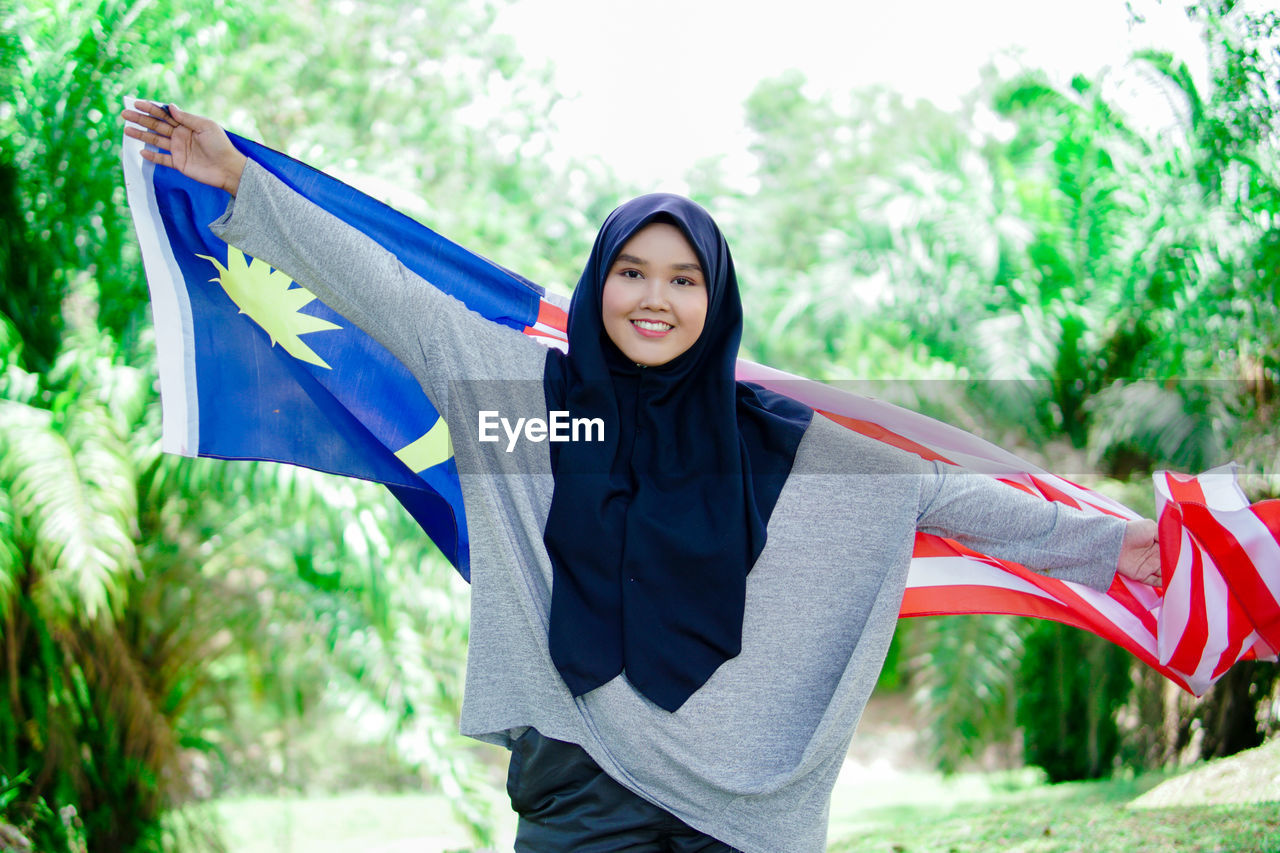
(194, 145)
(156, 126)
(1140, 553)
(152, 129)
(163, 113)
(151, 116)
(148, 137)
(158, 157)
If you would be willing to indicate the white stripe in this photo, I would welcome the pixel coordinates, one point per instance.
(559, 300)
(170, 309)
(1260, 648)
(963, 571)
(550, 331)
(1221, 491)
(1177, 601)
(548, 341)
(1198, 684)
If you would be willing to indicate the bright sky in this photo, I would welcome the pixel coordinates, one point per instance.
(654, 85)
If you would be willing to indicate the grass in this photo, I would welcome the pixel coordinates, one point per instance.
(367, 822)
(875, 809)
(1084, 816)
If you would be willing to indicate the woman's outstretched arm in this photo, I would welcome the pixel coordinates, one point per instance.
(1042, 535)
(435, 336)
(196, 146)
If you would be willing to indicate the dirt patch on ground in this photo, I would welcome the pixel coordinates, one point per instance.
(1252, 776)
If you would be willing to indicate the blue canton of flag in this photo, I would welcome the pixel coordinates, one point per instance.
(235, 385)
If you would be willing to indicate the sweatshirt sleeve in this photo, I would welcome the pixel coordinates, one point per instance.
(997, 519)
(433, 334)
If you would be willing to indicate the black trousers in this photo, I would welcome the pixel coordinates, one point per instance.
(567, 803)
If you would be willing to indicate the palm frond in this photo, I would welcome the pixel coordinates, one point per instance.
(966, 668)
(73, 508)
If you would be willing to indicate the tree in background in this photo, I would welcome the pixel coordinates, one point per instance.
(173, 629)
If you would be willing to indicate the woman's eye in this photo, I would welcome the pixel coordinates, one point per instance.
(630, 274)
(685, 282)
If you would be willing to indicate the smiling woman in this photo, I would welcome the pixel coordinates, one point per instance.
(655, 298)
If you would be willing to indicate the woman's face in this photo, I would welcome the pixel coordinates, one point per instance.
(655, 296)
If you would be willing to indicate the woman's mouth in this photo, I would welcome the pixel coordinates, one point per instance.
(652, 328)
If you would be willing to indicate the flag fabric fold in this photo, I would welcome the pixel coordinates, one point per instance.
(238, 381)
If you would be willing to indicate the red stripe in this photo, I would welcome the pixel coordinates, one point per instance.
(1191, 645)
(1239, 628)
(1229, 656)
(977, 599)
(1079, 504)
(1020, 486)
(876, 431)
(1053, 493)
(1084, 614)
(1254, 654)
(1184, 489)
(1268, 512)
(929, 545)
(1104, 509)
(553, 316)
(1169, 538)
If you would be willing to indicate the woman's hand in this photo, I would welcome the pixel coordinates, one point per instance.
(197, 147)
(1140, 553)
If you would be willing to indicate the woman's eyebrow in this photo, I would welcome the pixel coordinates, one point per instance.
(624, 258)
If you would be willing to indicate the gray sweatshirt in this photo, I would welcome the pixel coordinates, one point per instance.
(752, 756)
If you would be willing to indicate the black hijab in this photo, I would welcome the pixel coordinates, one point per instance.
(652, 531)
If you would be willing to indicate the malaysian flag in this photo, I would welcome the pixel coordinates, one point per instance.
(228, 391)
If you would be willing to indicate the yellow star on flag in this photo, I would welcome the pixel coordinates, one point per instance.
(266, 297)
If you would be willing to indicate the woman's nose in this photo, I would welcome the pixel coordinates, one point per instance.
(654, 296)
